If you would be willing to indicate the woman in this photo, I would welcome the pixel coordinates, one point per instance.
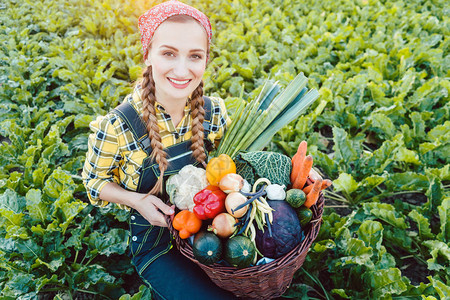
(163, 125)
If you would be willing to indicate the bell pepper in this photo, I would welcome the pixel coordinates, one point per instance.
(218, 167)
(186, 223)
(209, 202)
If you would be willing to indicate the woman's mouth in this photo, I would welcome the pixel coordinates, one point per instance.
(179, 84)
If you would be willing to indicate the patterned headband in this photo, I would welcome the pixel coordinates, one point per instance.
(149, 21)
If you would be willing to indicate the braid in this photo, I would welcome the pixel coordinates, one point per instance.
(198, 116)
(149, 116)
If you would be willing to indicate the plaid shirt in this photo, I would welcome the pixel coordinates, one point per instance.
(114, 155)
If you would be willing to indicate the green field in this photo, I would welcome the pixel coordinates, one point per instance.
(380, 130)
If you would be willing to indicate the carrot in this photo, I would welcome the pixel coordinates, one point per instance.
(297, 160)
(325, 183)
(311, 197)
(304, 169)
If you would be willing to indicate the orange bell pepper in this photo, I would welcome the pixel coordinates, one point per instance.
(186, 223)
(218, 167)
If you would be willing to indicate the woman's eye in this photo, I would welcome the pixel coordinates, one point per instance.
(168, 54)
(196, 56)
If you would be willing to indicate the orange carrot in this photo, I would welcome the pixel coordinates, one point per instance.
(325, 183)
(303, 172)
(312, 197)
(297, 160)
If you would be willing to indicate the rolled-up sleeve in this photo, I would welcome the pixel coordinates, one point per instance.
(102, 158)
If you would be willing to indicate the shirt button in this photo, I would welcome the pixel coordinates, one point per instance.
(133, 218)
(134, 238)
(176, 135)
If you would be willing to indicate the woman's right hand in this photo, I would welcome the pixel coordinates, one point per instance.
(149, 206)
(153, 209)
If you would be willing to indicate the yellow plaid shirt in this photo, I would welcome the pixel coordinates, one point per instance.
(115, 156)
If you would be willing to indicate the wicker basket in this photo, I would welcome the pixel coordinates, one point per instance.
(265, 281)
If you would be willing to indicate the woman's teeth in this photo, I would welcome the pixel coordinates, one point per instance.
(178, 81)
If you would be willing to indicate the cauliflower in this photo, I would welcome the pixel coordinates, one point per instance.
(183, 186)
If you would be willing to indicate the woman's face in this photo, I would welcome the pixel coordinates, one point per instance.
(178, 57)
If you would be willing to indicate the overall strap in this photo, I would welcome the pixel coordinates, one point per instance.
(137, 126)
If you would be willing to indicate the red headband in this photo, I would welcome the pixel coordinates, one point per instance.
(150, 20)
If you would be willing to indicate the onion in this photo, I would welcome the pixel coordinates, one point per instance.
(232, 201)
(231, 182)
(223, 225)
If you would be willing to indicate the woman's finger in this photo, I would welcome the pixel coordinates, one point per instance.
(166, 209)
(155, 217)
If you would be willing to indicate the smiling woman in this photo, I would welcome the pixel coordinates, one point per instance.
(165, 118)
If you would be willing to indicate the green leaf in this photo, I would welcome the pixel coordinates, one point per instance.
(112, 242)
(383, 125)
(324, 245)
(52, 266)
(371, 232)
(82, 121)
(341, 293)
(385, 212)
(385, 282)
(144, 293)
(407, 181)
(406, 155)
(92, 275)
(435, 193)
(397, 236)
(439, 133)
(22, 283)
(36, 207)
(422, 223)
(11, 201)
(344, 148)
(57, 183)
(441, 288)
(11, 207)
(444, 216)
(356, 253)
(345, 183)
(440, 253)
(69, 207)
(29, 249)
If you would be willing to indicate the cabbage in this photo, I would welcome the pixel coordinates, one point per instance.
(286, 231)
(263, 164)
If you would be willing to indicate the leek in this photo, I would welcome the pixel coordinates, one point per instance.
(255, 122)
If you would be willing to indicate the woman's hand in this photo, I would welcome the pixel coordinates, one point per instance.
(153, 209)
(150, 207)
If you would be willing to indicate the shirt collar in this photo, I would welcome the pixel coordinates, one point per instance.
(137, 102)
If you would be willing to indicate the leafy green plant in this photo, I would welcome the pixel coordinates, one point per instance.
(379, 130)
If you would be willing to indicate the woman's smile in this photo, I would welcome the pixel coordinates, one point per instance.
(179, 84)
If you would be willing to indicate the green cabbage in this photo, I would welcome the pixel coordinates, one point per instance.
(263, 164)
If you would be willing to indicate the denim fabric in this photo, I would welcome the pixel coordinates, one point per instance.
(168, 273)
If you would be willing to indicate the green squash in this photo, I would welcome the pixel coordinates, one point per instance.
(304, 215)
(239, 251)
(295, 197)
(207, 248)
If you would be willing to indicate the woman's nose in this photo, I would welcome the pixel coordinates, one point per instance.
(181, 68)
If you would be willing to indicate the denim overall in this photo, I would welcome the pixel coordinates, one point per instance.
(169, 274)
